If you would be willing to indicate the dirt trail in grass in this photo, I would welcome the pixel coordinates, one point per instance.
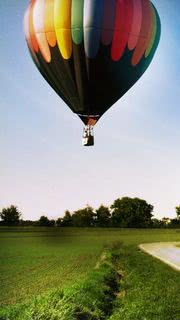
(168, 252)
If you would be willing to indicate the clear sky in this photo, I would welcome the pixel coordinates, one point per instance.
(43, 167)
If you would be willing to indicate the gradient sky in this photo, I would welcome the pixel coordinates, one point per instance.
(43, 167)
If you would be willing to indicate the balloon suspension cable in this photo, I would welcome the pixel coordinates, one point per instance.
(88, 136)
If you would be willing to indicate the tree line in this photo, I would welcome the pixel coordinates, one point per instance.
(123, 213)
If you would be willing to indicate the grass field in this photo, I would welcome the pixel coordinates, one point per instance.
(36, 261)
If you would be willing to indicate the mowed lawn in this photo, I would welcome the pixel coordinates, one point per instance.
(36, 260)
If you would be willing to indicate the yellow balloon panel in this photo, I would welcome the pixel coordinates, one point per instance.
(62, 23)
(64, 40)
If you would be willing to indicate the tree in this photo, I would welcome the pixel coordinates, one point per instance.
(175, 223)
(103, 217)
(84, 217)
(52, 223)
(10, 216)
(66, 220)
(178, 212)
(59, 222)
(156, 223)
(165, 221)
(45, 222)
(131, 213)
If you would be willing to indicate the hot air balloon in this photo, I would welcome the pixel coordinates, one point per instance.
(91, 52)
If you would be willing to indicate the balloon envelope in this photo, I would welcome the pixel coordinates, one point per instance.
(91, 52)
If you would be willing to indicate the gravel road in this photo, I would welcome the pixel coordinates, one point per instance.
(168, 252)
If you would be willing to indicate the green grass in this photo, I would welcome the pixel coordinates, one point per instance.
(42, 262)
(92, 298)
(150, 289)
(36, 261)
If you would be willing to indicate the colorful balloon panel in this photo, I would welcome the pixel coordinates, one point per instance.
(92, 51)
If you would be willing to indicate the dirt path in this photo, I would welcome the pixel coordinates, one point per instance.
(168, 252)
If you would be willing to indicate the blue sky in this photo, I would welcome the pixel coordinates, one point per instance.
(43, 167)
